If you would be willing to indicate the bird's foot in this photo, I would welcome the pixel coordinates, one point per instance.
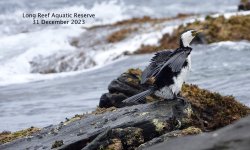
(180, 99)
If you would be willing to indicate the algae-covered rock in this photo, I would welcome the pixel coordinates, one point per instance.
(210, 110)
(6, 136)
(232, 137)
(120, 35)
(222, 29)
(217, 29)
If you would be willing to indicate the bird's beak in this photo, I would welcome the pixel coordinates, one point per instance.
(198, 31)
(195, 33)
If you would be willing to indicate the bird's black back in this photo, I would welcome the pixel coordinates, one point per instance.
(165, 65)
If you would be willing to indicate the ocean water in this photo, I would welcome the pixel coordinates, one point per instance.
(33, 99)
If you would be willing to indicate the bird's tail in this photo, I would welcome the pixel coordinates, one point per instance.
(139, 97)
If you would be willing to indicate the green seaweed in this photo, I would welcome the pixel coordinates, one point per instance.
(6, 136)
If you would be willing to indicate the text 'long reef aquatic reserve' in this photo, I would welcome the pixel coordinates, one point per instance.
(76, 18)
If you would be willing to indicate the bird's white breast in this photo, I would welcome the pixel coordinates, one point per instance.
(179, 79)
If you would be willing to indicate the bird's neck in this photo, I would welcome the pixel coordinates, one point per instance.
(184, 43)
(184, 47)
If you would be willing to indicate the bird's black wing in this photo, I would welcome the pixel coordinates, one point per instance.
(176, 62)
(158, 60)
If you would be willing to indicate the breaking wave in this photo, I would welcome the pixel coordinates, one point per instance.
(29, 53)
(21, 43)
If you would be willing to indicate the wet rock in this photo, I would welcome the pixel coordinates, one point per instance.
(126, 127)
(232, 137)
(126, 85)
(109, 100)
(118, 139)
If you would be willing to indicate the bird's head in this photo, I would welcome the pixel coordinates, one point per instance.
(187, 37)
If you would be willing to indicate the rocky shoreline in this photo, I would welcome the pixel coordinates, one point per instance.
(216, 29)
(205, 115)
(136, 32)
(116, 126)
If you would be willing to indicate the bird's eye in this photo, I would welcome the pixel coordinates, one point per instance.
(193, 33)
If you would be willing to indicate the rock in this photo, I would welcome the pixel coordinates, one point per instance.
(244, 5)
(170, 135)
(126, 85)
(232, 137)
(126, 127)
(120, 35)
(169, 42)
(109, 100)
(7, 136)
(127, 138)
(217, 29)
(211, 110)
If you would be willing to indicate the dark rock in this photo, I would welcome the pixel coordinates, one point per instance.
(127, 138)
(244, 5)
(170, 135)
(232, 137)
(126, 127)
(109, 100)
(126, 85)
(160, 139)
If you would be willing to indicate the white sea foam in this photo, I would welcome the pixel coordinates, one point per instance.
(18, 50)
(41, 43)
(105, 12)
(20, 41)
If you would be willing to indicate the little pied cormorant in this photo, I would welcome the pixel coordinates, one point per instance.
(168, 70)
